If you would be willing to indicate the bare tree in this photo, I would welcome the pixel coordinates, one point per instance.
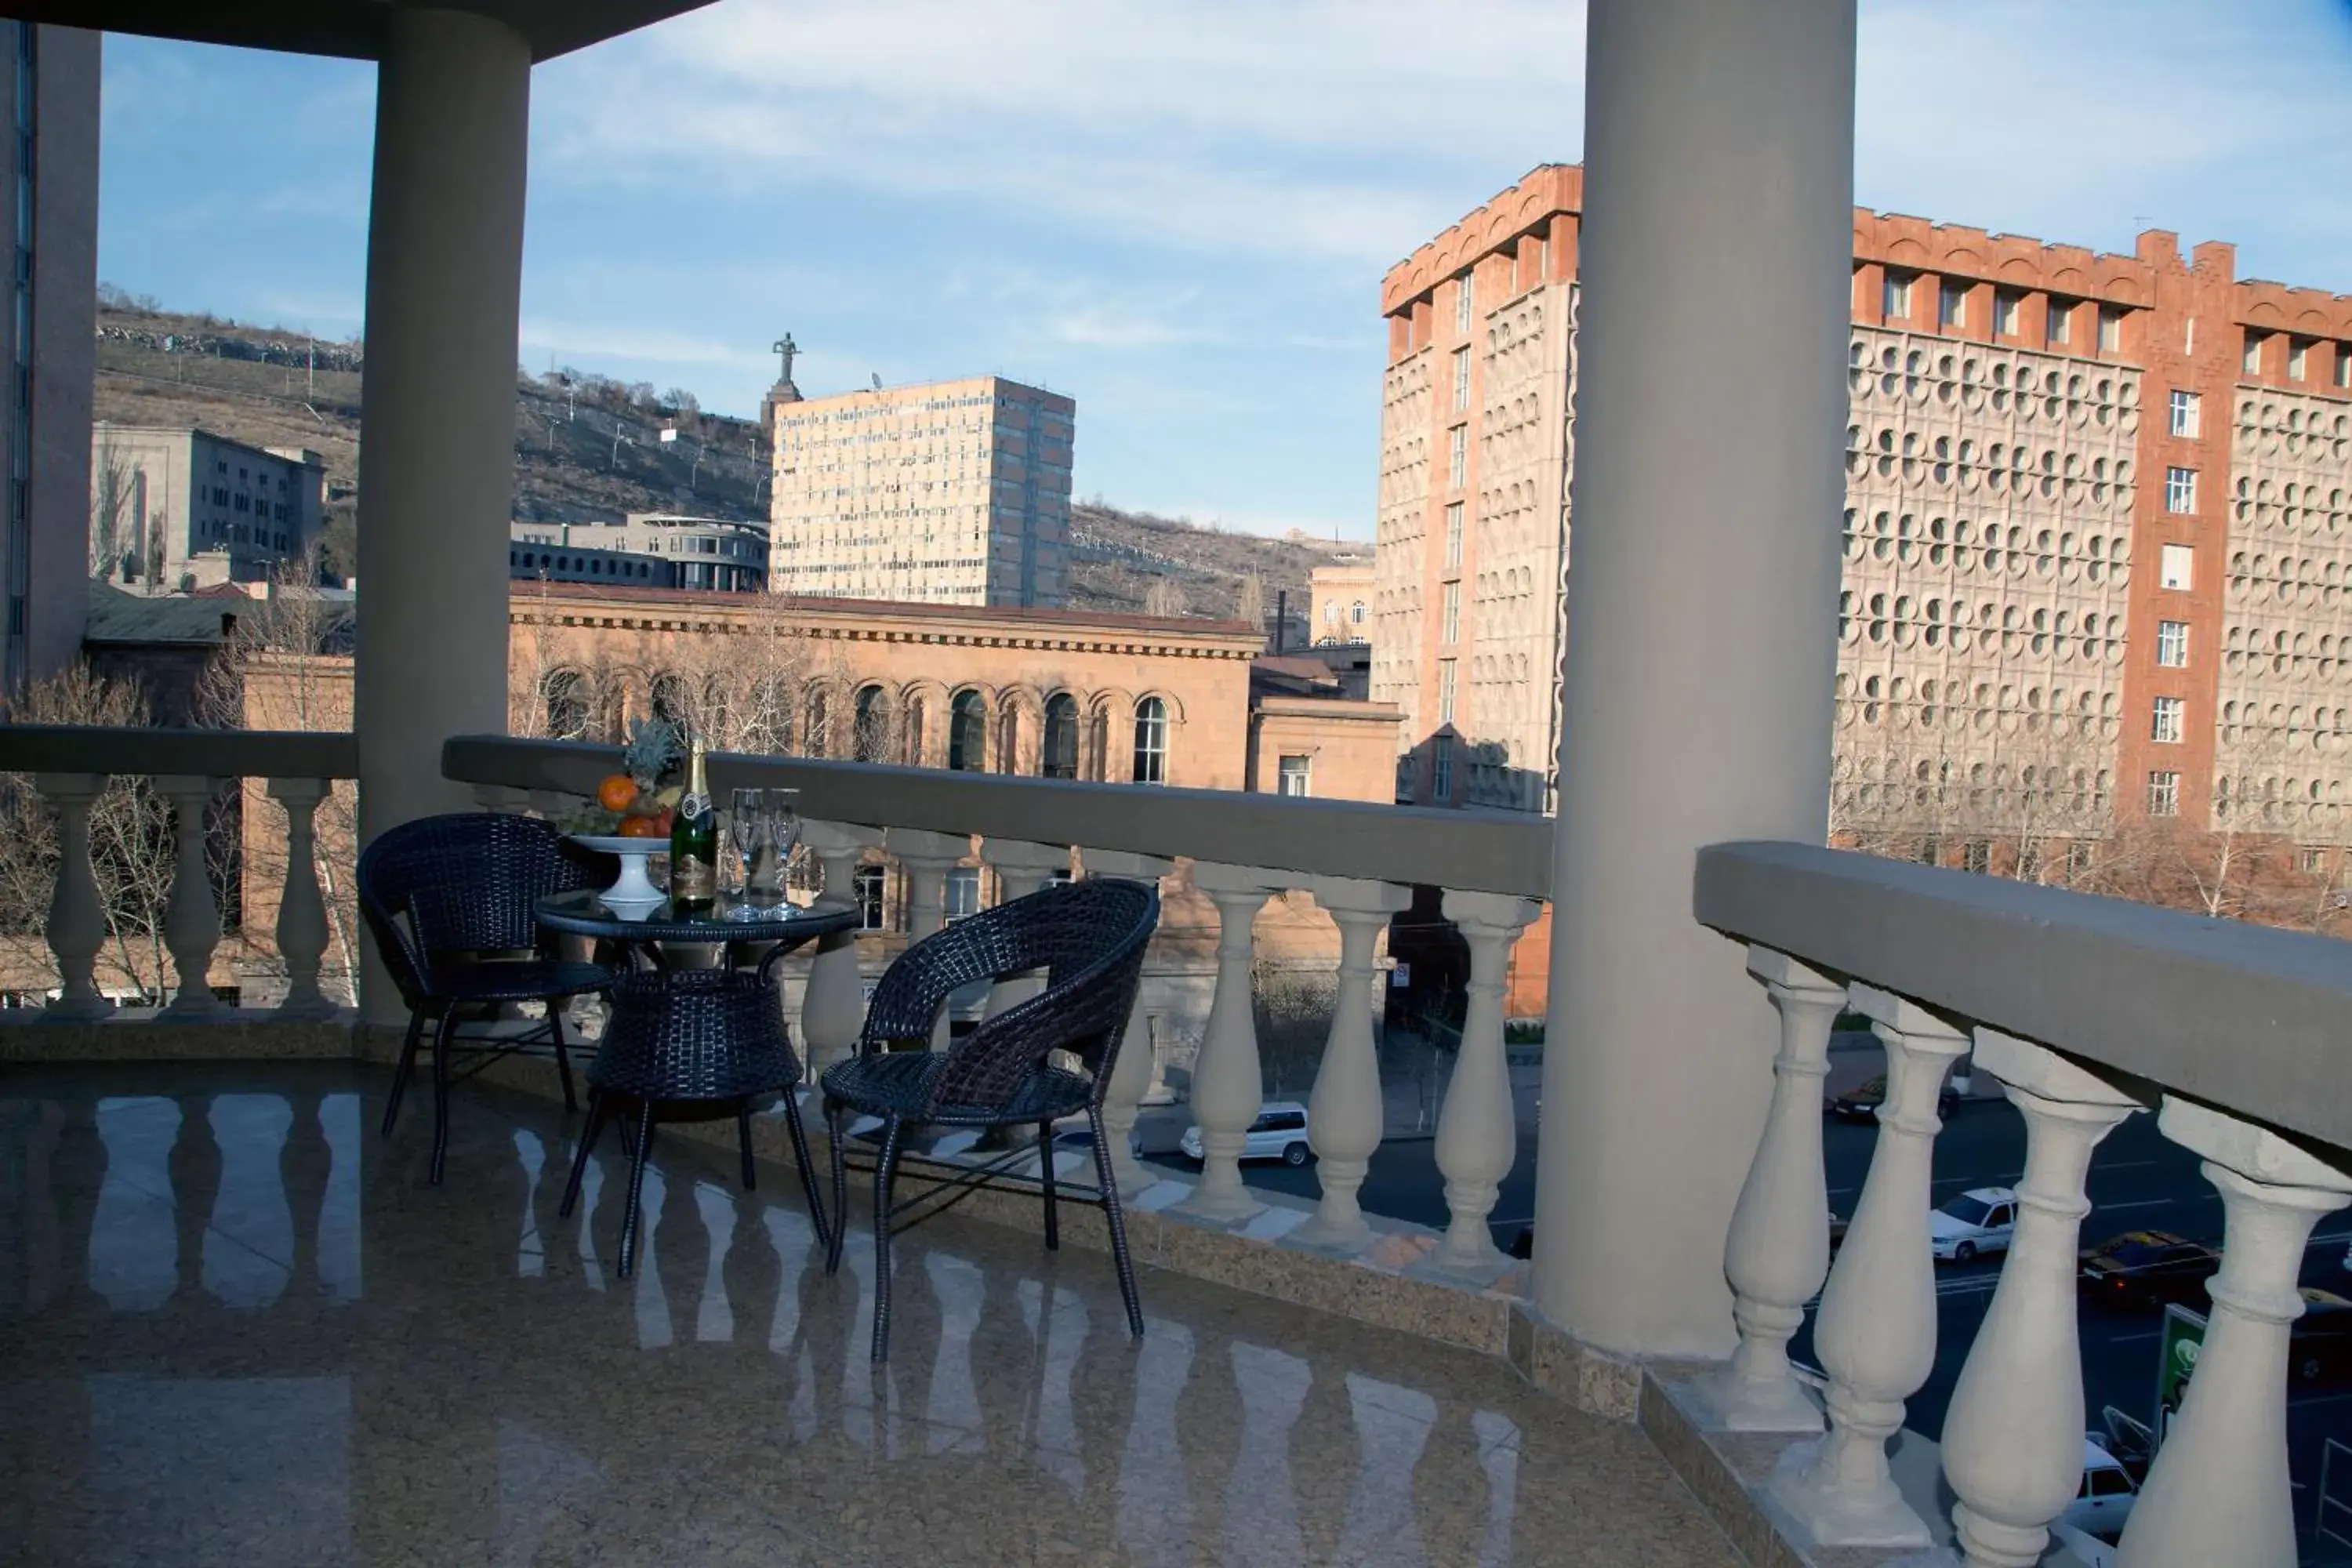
(1165, 597)
(1249, 599)
(114, 509)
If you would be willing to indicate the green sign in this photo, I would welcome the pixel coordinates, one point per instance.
(2177, 1349)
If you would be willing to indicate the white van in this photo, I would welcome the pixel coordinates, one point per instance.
(1278, 1133)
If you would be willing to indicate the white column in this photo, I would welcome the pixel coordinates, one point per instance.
(2218, 1489)
(2014, 1436)
(1346, 1112)
(929, 858)
(444, 286)
(1477, 1130)
(1718, 217)
(1138, 1067)
(301, 911)
(1228, 1086)
(192, 923)
(833, 1003)
(1777, 1250)
(1022, 868)
(77, 926)
(1877, 1330)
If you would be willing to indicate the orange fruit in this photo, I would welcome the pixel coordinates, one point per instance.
(616, 792)
(642, 827)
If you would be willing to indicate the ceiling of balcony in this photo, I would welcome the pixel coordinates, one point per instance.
(352, 29)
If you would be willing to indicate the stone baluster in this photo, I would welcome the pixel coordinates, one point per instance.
(76, 927)
(2013, 1438)
(2219, 1490)
(833, 1003)
(192, 923)
(1347, 1113)
(929, 858)
(1023, 868)
(1477, 1130)
(1877, 1330)
(505, 798)
(1228, 1086)
(1778, 1249)
(301, 911)
(1138, 1066)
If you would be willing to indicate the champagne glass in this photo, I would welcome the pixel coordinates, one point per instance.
(745, 809)
(783, 831)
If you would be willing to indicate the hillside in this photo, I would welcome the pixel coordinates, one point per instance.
(587, 448)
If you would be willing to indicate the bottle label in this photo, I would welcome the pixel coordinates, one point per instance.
(692, 877)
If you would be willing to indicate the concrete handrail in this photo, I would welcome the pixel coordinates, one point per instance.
(1480, 852)
(2253, 1020)
(210, 753)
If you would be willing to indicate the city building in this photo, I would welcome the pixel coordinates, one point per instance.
(652, 549)
(951, 492)
(49, 183)
(178, 507)
(2096, 560)
(1340, 601)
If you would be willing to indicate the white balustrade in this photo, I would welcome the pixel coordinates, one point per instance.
(1138, 1066)
(2012, 1444)
(1776, 1251)
(301, 911)
(833, 1003)
(929, 858)
(1877, 1330)
(1477, 1130)
(76, 924)
(1227, 1081)
(192, 923)
(1022, 868)
(1346, 1112)
(2219, 1490)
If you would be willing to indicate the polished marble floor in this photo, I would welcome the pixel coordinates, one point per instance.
(238, 1328)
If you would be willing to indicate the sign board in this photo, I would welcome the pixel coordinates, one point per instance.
(2176, 1360)
(669, 434)
(1399, 976)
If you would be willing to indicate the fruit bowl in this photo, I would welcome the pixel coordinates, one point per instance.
(633, 896)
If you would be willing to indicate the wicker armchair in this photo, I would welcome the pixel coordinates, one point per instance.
(1090, 937)
(449, 901)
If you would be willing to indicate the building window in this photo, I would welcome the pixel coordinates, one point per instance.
(2080, 856)
(2314, 860)
(1464, 303)
(2175, 566)
(2166, 726)
(1952, 305)
(1058, 759)
(2061, 323)
(914, 732)
(1356, 613)
(1449, 628)
(1898, 300)
(1461, 378)
(961, 898)
(2172, 644)
(1457, 456)
(1931, 851)
(2298, 358)
(1294, 775)
(1453, 534)
(2184, 413)
(1441, 768)
(1152, 741)
(669, 700)
(1445, 691)
(2004, 313)
(870, 880)
(2164, 795)
(2344, 365)
(565, 695)
(966, 734)
(871, 728)
(1976, 856)
(2252, 364)
(2111, 330)
(2180, 489)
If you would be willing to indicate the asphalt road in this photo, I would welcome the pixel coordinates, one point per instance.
(2138, 1180)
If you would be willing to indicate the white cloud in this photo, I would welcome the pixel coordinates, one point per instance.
(629, 342)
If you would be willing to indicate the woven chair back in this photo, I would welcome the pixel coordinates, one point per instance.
(465, 882)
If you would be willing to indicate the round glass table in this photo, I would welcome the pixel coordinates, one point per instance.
(780, 928)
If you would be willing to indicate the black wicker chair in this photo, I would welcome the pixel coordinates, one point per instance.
(1090, 937)
(449, 901)
(699, 1034)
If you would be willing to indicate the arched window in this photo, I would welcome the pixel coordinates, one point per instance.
(817, 732)
(871, 739)
(1356, 613)
(1097, 761)
(870, 882)
(564, 698)
(669, 699)
(1152, 741)
(1058, 758)
(1008, 736)
(914, 731)
(967, 732)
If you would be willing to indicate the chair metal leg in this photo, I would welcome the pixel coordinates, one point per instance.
(407, 1065)
(808, 1173)
(441, 1039)
(598, 1106)
(555, 1005)
(837, 1124)
(634, 1208)
(1109, 1185)
(743, 1139)
(884, 1171)
(1045, 1179)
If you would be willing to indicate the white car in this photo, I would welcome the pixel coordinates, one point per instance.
(1979, 1221)
(2105, 1499)
(1278, 1133)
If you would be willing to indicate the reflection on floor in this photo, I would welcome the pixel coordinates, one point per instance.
(238, 1328)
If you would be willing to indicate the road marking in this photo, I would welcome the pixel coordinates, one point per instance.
(2294, 1403)
(2124, 1165)
(2135, 1204)
(2133, 1338)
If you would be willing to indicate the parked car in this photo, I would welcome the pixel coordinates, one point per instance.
(2148, 1268)
(2104, 1501)
(2320, 1347)
(1981, 1220)
(1278, 1133)
(1861, 1102)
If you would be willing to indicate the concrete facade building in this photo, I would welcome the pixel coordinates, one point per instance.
(948, 492)
(651, 549)
(1340, 602)
(49, 183)
(177, 507)
(2094, 553)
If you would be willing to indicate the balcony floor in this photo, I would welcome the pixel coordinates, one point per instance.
(271, 1343)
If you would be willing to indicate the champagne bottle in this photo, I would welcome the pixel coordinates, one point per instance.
(694, 843)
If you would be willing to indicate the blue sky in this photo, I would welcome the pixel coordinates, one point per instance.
(1177, 214)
